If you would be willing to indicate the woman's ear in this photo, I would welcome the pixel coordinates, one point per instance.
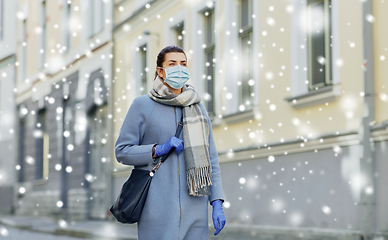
(160, 72)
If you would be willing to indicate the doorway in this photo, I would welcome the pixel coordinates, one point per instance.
(98, 155)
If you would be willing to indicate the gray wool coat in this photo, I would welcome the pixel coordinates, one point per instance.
(169, 212)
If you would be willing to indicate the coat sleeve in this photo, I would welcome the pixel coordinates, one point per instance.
(128, 147)
(216, 191)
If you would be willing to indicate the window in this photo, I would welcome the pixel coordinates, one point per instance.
(143, 69)
(246, 59)
(21, 149)
(42, 148)
(98, 155)
(98, 100)
(42, 51)
(319, 43)
(179, 32)
(314, 61)
(1, 110)
(96, 17)
(24, 51)
(209, 63)
(1, 19)
(67, 28)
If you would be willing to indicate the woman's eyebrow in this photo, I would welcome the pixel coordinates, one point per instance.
(172, 60)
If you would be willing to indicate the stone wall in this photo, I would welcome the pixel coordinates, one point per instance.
(44, 203)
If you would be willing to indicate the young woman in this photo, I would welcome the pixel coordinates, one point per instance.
(176, 205)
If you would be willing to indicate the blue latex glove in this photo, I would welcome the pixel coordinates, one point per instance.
(218, 216)
(165, 148)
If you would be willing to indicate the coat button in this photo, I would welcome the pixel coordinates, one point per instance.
(151, 174)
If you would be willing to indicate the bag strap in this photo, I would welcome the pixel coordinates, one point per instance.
(177, 133)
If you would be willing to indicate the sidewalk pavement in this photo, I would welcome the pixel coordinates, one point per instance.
(96, 230)
(87, 229)
(113, 230)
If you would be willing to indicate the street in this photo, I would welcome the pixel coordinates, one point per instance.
(10, 233)
(19, 234)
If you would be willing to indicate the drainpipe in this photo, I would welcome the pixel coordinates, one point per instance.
(367, 163)
(63, 195)
(64, 175)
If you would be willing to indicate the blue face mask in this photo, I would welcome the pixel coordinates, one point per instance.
(176, 76)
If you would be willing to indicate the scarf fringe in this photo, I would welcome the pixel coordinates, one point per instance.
(199, 180)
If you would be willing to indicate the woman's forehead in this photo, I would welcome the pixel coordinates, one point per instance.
(177, 56)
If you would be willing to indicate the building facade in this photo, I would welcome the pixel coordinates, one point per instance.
(297, 91)
(63, 80)
(7, 105)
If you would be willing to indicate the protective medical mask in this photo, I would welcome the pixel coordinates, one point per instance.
(176, 76)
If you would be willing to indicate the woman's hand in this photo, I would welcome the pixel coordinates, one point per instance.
(218, 216)
(165, 148)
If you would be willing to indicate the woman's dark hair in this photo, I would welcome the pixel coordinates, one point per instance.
(162, 55)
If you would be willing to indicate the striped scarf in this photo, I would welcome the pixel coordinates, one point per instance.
(195, 135)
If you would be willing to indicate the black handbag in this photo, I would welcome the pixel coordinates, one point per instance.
(130, 202)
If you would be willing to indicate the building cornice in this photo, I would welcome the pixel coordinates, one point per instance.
(320, 142)
(27, 93)
(133, 15)
(8, 59)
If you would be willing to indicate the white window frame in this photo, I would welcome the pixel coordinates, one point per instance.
(1, 108)
(142, 68)
(23, 68)
(328, 61)
(136, 82)
(232, 51)
(197, 66)
(241, 55)
(43, 34)
(299, 56)
(175, 34)
(96, 17)
(89, 67)
(103, 37)
(180, 17)
(1, 19)
(255, 48)
(207, 49)
(66, 21)
(97, 99)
